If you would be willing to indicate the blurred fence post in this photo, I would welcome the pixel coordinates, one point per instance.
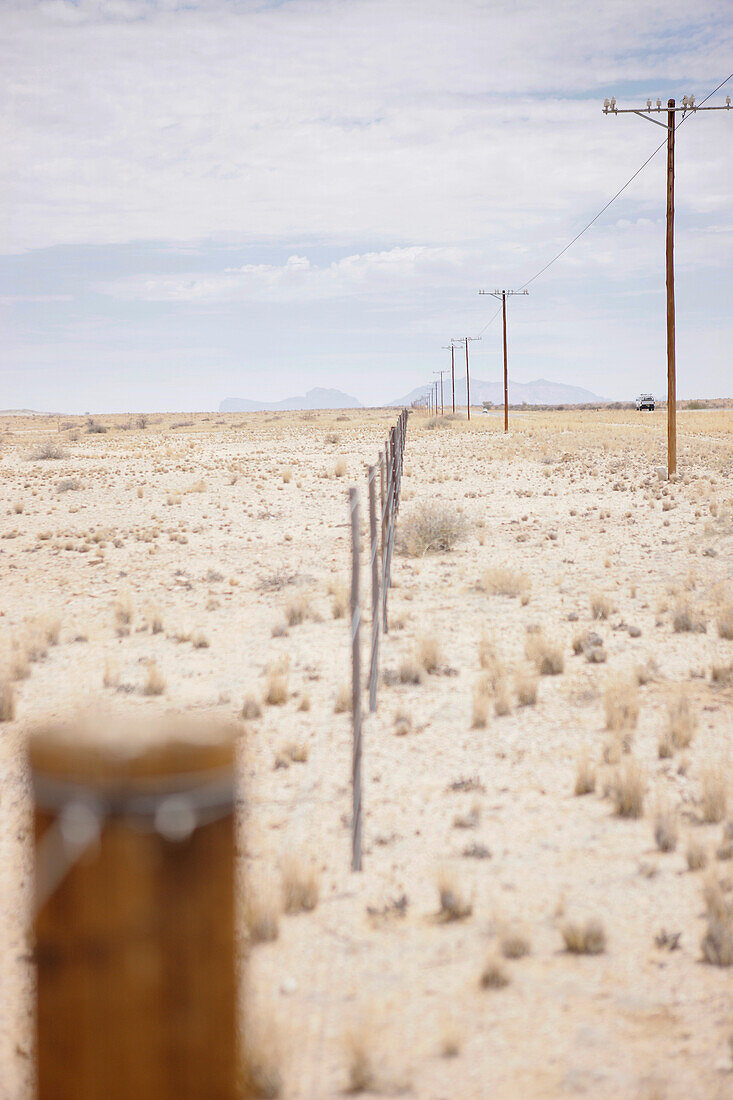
(134, 924)
(355, 684)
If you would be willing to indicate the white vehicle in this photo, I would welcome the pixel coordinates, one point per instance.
(645, 401)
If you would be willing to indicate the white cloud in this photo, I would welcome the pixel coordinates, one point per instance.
(437, 120)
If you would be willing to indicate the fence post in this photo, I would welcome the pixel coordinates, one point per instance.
(134, 925)
(386, 522)
(374, 663)
(355, 684)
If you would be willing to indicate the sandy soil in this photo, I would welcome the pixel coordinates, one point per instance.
(216, 526)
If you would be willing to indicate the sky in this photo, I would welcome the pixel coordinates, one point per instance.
(228, 198)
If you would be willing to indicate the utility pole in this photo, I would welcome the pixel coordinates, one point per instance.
(502, 297)
(452, 348)
(465, 340)
(688, 105)
(441, 373)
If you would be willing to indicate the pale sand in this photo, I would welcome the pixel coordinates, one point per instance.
(623, 1024)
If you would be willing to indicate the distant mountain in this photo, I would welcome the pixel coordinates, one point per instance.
(540, 392)
(318, 398)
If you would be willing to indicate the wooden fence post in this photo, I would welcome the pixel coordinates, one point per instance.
(355, 684)
(134, 925)
(386, 536)
(373, 547)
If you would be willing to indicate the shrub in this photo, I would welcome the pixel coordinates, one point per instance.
(49, 451)
(681, 720)
(431, 528)
(501, 581)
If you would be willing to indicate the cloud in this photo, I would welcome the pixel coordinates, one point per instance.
(333, 120)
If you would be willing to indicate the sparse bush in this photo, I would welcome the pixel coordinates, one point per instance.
(94, 427)
(300, 888)
(331, 437)
(586, 938)
(68, 485)
(627, 789)
(49, 451)
(431, 528)
(546, 655)
(621, 703)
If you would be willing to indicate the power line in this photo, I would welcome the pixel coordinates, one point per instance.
(612, 200)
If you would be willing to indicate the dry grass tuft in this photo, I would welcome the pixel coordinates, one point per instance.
(481, 703)
(526, 687)
(514, 944)
(428, 654)
(454, 905)
(7, 700)
(251, 708)
(340, 468)
(697, 856)
(276, 688)
(681, 720)
(585, 774)
(261, 916)
(502, 699)
(343, 699)
(431, 528)
(600, 606)
(262, 1076)
(717, 942)
(300, 886)
(124, 610)
(586, 938)
(621, 703)
(451, 1038)
(714, 782)
(501, 581)
(546, 655)
(665, 829)
(494, 975)
(297, 610)
(687, 619)
(724, 619)
(362, 1076)
(410, 670)
(154, 681)
(627, 789)
(339, 601)
(111, 674)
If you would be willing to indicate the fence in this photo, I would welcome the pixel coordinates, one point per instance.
(381, 547)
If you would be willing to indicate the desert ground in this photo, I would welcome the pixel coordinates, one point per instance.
(545, 902)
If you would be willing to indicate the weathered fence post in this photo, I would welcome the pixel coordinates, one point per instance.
(373, 547)
(355, 684)
(386, 536)
(134, 925)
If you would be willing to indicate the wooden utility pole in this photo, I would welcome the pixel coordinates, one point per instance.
(441, 373)
(451, 347)
(669, 257)
(502, 297)
(465, 340)
(687, 107)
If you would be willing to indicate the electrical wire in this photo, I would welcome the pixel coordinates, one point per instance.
(619, 192)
